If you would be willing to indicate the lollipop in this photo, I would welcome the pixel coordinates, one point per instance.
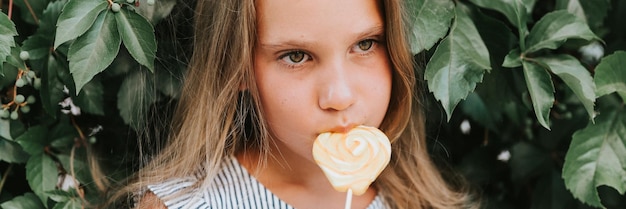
(351, 161)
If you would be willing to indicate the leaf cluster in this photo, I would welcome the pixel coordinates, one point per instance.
(538, 100)
(79, 76)
(525, 98)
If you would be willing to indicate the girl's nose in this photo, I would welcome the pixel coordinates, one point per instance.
(336, 91)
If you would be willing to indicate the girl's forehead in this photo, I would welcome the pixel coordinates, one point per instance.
(303, 20)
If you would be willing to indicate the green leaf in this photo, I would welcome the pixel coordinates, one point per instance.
(14, 58)
(91, 99)
(60, 195)
(41, 173)
(458, 63)
(135, 96)
(39, 45)
(5, 129)
(138, 37)
(73, 203)
(7, 32)
(8, 73)
(62, 135)
(51, 87)
(597, 156)
(17, 128)
(610, 75)
(11, 152)
(157, 12)
(554, 29)
(497, 95)
(81, 168)
(516, 11)
(576, 76)
(513, 59)
(170, 81)
(28, 200)
(501, 39)
(64, 142)
(49, 18)
(541, 90)
(550, 193)
(92, 52)
(431, 20)
(476, 109)
(78, 16)
(34, 6)
(593, 12)
(529, 5)
(33, 140)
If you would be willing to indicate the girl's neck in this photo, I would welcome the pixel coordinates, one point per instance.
(283, 167)
(298, 181)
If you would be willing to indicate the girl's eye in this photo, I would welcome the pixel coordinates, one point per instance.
(365, 44)
(295, 57)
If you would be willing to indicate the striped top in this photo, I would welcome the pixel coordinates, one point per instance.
(233, 187)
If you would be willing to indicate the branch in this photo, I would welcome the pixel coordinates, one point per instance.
(32, 12)
(10, 9)
(5, 176)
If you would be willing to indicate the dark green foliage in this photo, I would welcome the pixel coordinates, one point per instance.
(527, 96)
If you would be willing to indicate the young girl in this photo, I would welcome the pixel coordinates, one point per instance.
(266, 77)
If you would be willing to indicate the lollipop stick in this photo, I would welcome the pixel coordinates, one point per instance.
(348, 199)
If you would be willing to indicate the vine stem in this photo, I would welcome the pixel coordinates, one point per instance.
(76, 183)
(5, 176)
(80, 141)
(486, 138)
(8, 105)
(80, 132)
(32, 12)
(10, 9)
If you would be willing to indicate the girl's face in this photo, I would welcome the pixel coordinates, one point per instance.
(320, 66)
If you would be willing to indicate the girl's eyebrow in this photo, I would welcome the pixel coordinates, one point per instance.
(287, 44)
(373, 31)
(376, 30)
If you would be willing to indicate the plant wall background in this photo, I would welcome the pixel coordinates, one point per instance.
(526, 97)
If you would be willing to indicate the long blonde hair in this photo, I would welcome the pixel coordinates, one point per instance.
(216, 118)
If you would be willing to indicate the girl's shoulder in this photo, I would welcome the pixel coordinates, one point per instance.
(232, 187)
(178, 192)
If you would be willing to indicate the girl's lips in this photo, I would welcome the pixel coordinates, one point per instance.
(341, 128)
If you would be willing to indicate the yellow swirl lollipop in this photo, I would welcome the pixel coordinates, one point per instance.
(353, 160)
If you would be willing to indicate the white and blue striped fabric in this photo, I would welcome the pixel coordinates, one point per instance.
(232, 188)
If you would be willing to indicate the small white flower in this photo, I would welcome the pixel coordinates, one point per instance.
(592, 52)
(465, 127)
(504, 156)
(67, 103)
(66, 182)
(95, 130)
